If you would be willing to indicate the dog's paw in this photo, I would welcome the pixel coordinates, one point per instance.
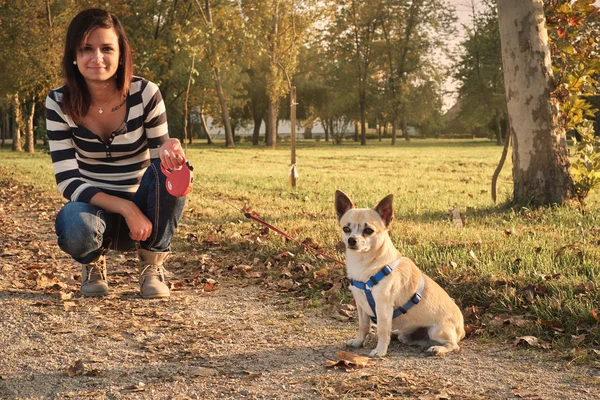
(377, 352)
(355, 343)
(437, 350)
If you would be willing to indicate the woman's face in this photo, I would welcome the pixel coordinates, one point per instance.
(98, 57)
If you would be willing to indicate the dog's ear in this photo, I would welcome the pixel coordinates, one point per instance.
(385, 209)
(342, 204)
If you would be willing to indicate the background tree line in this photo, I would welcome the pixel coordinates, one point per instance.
(376, 61)
(352, 61)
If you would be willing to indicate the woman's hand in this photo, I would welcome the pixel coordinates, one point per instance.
(140, 227)
(171, 154)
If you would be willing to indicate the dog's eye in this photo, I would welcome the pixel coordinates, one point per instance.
(368, 231)
(347, 230)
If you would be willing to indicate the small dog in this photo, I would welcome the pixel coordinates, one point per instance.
(407, 302)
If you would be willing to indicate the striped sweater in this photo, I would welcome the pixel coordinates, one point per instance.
(84, 165)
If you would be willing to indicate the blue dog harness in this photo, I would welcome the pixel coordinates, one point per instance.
(375, 279)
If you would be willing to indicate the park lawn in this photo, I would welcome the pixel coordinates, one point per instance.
(515, 270)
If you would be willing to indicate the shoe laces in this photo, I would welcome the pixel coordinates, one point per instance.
(94, 273)
(153, 270)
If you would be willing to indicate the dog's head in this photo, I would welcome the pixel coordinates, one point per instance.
(363, 229)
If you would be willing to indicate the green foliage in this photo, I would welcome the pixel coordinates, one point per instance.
(573, 28)
(586, 165)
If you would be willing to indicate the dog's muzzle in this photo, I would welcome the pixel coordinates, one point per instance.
(351, 243)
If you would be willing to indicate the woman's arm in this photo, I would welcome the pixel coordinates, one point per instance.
(63, 153)
(161, 146)
(140, 227)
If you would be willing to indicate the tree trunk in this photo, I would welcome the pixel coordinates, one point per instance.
(356, 131)
(394, 132)
(540, 155)
(498, 131)
(271, 131)
(256, 130)
(217, 80)
(363, 111)
(405, 129)
(29, 134)
(224, 110)
(209, 139)
(191, 125)
(16, 125)
(2, 127)
(308, 126)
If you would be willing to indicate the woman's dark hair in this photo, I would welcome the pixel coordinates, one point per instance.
(76, 97)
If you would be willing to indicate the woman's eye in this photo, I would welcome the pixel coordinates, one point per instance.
(347, 230)
(108, 49)
(368, 231)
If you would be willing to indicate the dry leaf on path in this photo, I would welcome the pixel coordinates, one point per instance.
(349, 361)
(530, 341)
(76, 369)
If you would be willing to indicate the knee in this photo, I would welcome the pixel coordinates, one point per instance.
(78, 229)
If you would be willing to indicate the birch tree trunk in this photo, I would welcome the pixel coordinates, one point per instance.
(16, 125)
(30, 135)
(540, 155)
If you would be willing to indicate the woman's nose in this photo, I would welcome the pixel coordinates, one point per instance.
(97, 56)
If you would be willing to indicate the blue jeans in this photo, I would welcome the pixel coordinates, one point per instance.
(85, 231)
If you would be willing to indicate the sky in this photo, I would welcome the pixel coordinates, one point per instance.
(463, 12)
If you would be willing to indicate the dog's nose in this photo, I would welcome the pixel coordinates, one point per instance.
(352, 241)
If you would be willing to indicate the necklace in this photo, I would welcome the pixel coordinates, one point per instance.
(101, 109)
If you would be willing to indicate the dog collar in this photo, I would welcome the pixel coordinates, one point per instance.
(378, 277)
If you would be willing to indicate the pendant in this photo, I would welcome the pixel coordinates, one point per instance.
(100, 110)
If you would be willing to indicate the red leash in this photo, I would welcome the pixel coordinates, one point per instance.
(260, 221)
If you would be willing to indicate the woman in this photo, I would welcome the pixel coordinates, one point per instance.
(108, 134)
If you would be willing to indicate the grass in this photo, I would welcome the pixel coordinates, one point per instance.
(539, 264)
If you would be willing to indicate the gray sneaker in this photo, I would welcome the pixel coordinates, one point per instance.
(93, 278)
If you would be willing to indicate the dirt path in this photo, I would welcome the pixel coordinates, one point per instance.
(234, 340)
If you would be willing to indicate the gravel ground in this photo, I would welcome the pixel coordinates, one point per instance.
(234, 340)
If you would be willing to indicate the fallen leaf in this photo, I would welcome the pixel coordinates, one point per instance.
(209, 287)
(140, 387)
(76, 369)
(594, 315)
(340, 317)
(65, 296)
(320, 274)
(286, 284)
(524, 341)
(349, 361)
(576, 340)
(472, 254)
(585, 287)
